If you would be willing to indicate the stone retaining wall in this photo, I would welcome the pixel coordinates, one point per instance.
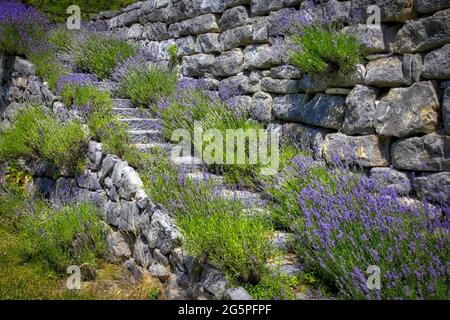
(142, 235)
(393, 110)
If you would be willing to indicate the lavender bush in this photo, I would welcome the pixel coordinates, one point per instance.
(315, 43)
(343, 227)
(21, 27)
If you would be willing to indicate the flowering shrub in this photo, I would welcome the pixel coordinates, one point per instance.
(99, 54)
(35, 135)
(21, 27)
(142, 82)
(343, 227)
(317, 46)
(215, 229)
(191, 104)
(71, 235)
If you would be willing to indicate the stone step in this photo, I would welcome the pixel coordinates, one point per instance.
(122, 103)
(249, 199)
(204, 176)
(190, 164)
(143, 123)
(145, 136)
(125, 113)
(149, 147)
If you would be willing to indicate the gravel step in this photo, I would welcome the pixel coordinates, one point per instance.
(143, 123)
(145, 136)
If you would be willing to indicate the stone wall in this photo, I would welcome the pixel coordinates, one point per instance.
(143, 237)
(393, 110)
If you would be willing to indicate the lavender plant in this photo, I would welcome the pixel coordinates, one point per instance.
(21, 27)
(343, 226)
(143, 82)
(99, 54)
(317, 46)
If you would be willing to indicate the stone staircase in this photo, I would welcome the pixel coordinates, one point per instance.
(146, 134)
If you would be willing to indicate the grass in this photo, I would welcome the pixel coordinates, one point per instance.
(215, 229)
(146, 84)
(99, 54)
(28, 269)
(321, 48)
(36, 135)
(183, 110)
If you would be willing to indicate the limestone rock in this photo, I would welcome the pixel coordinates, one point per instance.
(186, 45)
(88, 180)
(391, 178)
(424, 34)
(306, 137)
(136, 272)
(391, 11)
(286, 72)
(156, 31)
(407, 111)
(129, 183)
(208, 43)
(197, 65)
(259, 57)
(118, 248)
(142, 253)
(241, 84)
(387, 72)
(283, 86)
(373, 38)
(238, 294)
(237, 37)
(426, 153)
(135, 31)
(435, 187)
(261, 109)
(289, 107)
(437, 64)
(162, 233)
(233, 18)
(198, 25)
(360, 111)
(125, 19)
(23, 67)
(366, 151)
(228, 63)
(429, 6)
(95, 155)
(324, 111)
(446, 110)
(260, 29)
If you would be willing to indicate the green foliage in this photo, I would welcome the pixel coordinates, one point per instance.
(321, 48)
(35, 135)
(73, 235)
(56, 10)
(174, 57)
(215, 229)
(99, 54)
(285, 188)
(184, 110)
(85, 96)
(276, 286)
(145, 84)
(62, 39)
(47, 67)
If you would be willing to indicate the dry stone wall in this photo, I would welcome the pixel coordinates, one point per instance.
(143, 237)
(393, 110)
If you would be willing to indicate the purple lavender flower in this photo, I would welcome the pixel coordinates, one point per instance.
(80, 79)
